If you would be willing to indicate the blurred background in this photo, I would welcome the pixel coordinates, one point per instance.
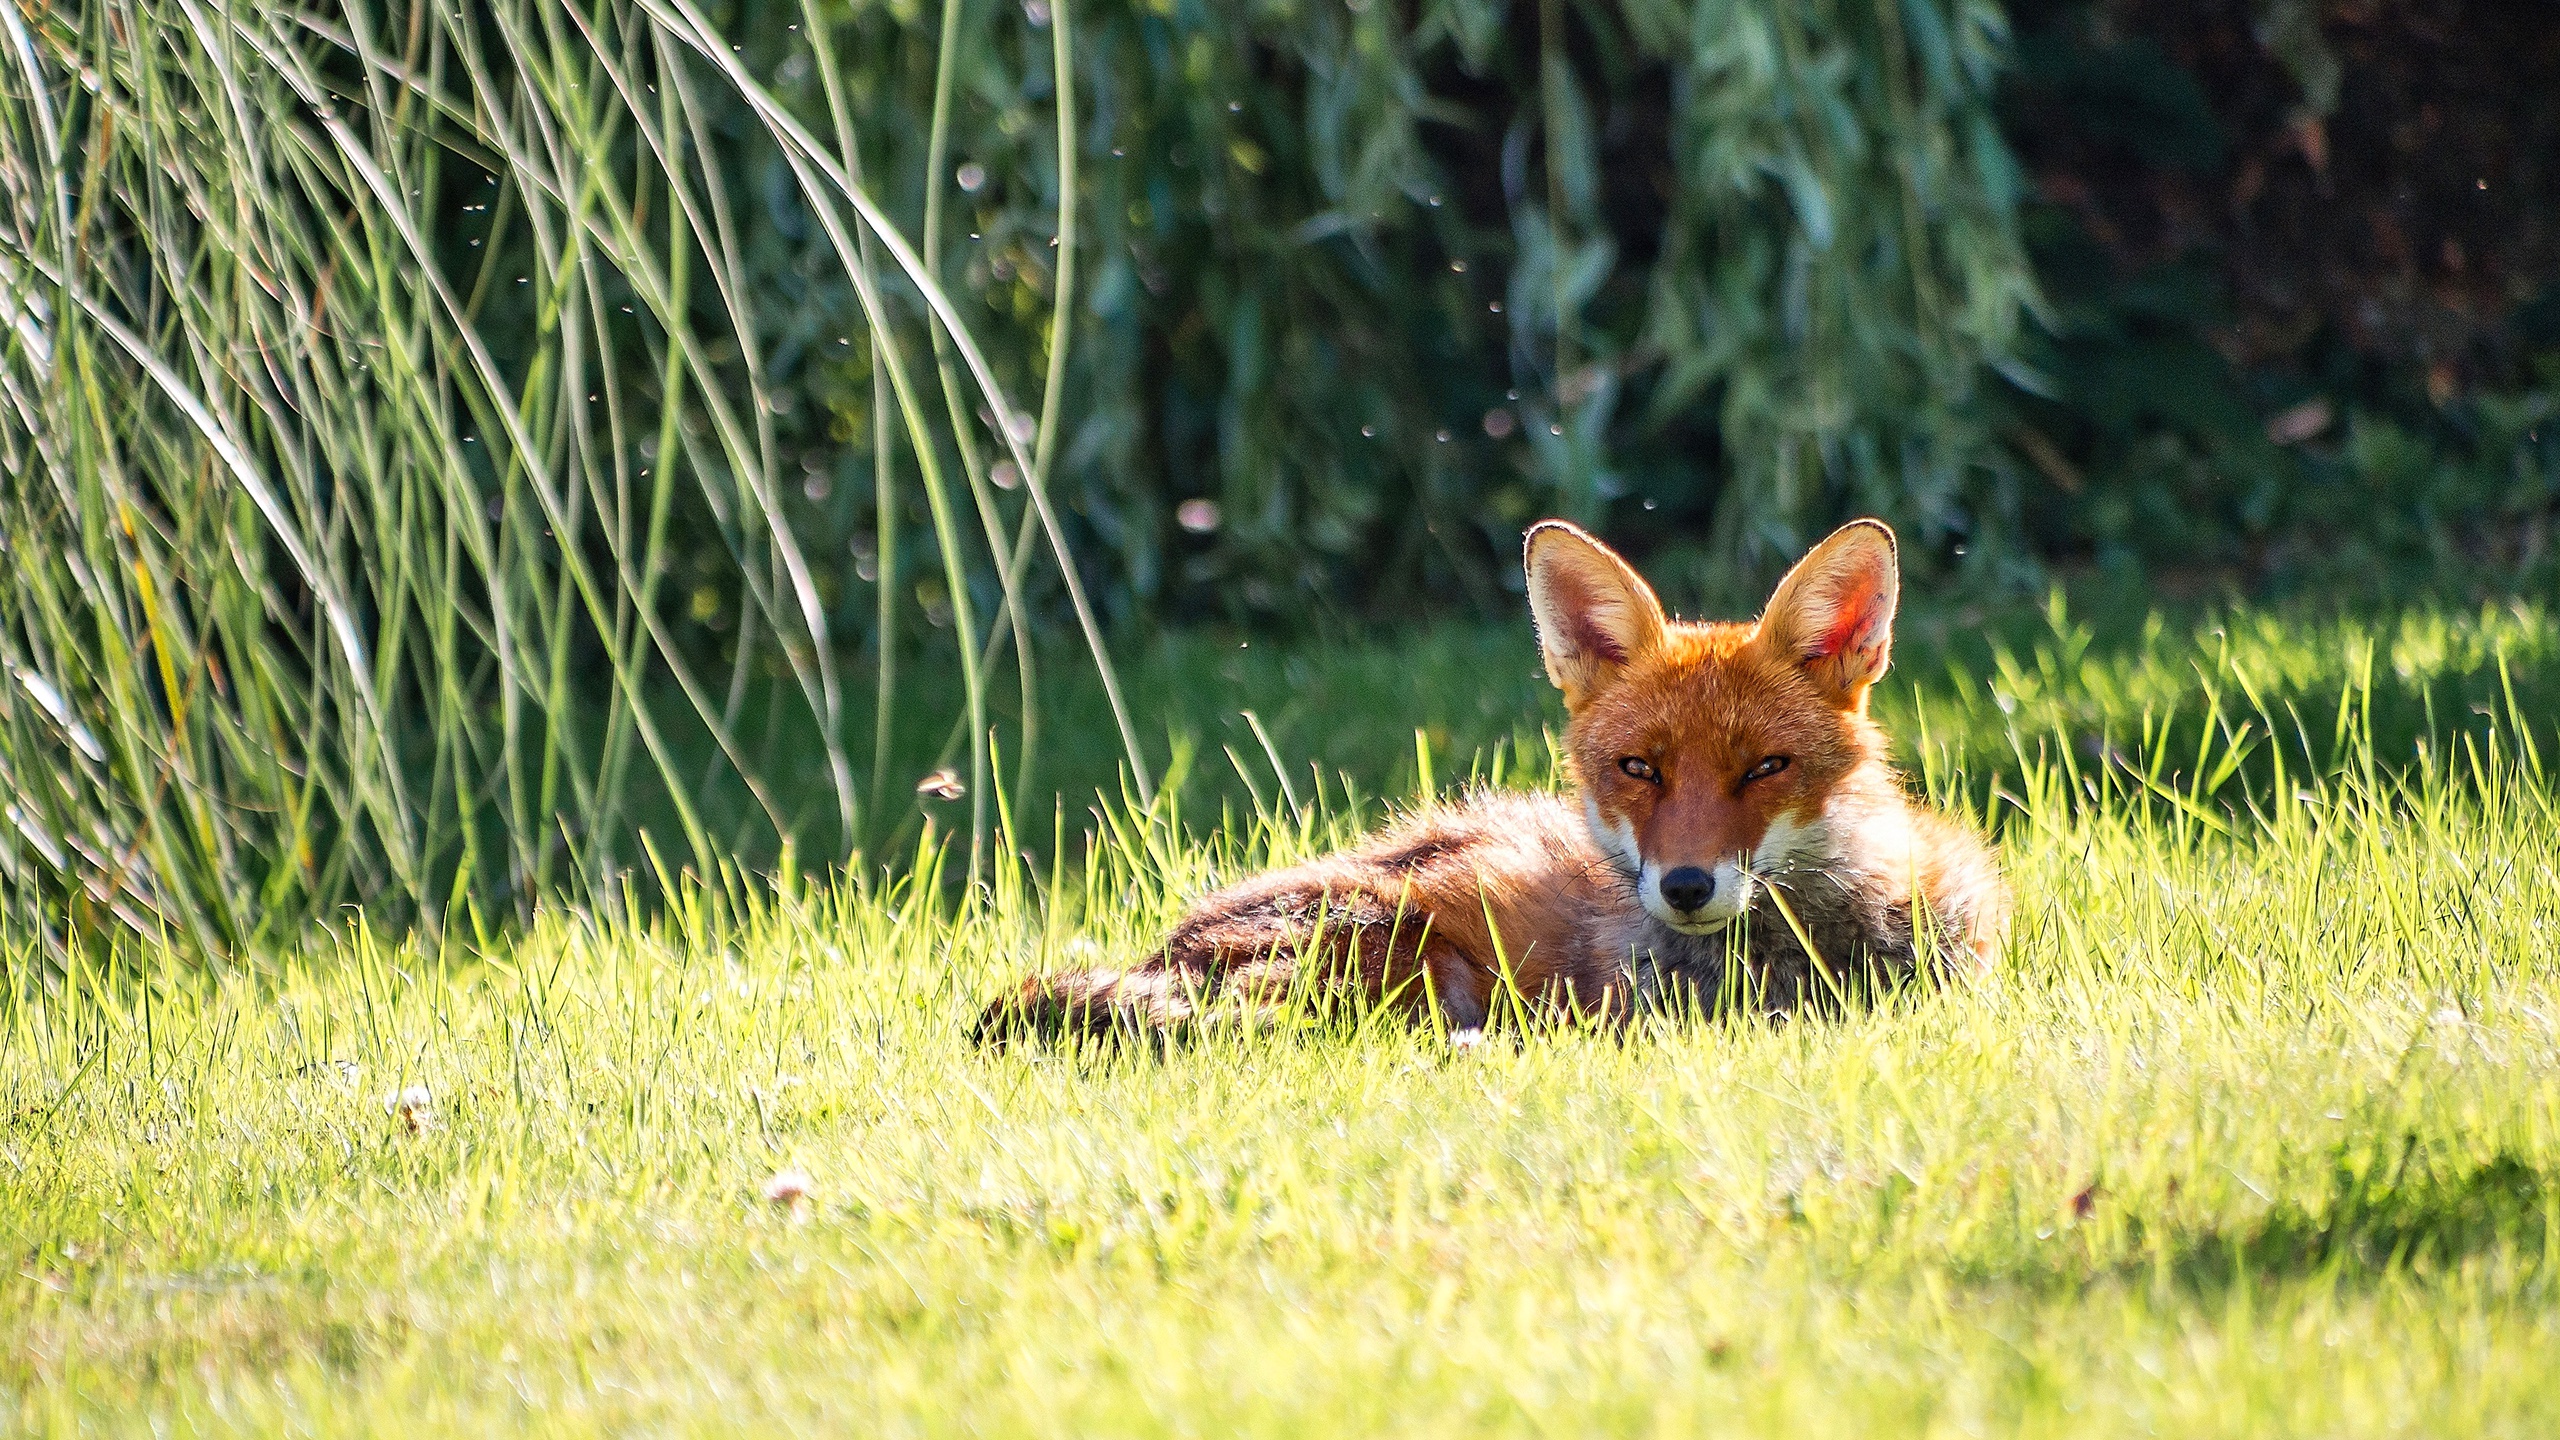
(464, 456)
(2265, 288)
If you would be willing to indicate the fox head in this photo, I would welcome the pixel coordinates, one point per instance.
(1705, 752)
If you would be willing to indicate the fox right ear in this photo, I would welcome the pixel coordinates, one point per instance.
(1833, 614)
(1595, 614)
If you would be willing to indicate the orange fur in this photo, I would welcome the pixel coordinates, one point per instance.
(1738, 836)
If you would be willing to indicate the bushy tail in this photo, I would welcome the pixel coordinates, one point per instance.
(1156, 998)
(1240, 955)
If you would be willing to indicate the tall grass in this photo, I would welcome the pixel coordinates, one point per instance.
(2256, 1133)
(358, 364)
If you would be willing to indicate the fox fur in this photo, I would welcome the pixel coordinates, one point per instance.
(1736, 835)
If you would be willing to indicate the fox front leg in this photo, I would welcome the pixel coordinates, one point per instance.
(1462, 991)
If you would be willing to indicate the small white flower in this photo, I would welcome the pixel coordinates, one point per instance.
(415, 1107)
(788, 1189)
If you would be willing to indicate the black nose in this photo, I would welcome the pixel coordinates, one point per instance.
(1688, 887)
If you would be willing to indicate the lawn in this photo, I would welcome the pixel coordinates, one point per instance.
(2258, 1132)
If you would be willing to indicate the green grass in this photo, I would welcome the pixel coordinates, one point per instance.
(2258, 1133)
(1974, 685)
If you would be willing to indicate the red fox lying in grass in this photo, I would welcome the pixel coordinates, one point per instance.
(1740, 838)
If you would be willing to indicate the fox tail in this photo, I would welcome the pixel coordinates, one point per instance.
(1096, 1003)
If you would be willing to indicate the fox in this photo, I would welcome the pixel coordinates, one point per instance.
(1735, 834)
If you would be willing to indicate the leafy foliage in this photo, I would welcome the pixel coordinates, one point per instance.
(2301, 270)
(1373, 285)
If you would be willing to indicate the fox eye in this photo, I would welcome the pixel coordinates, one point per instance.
(1769, 766)
(1635, 765)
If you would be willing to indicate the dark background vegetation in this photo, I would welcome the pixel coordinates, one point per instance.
(2210, 292)
(2304, 283)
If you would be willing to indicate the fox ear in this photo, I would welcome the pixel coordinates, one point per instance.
(1595, 614)
(1833, 614)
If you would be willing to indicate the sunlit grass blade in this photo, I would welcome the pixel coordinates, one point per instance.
(365, 372)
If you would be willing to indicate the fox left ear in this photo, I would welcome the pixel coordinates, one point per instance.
(1833, 614)
(1595, 614)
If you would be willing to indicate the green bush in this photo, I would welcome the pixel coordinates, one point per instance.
(1379, 283)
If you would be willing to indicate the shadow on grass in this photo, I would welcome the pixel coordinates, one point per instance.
(2418, 1216)
(2358, 1224)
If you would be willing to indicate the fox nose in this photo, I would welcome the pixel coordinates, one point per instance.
(1688, 888)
